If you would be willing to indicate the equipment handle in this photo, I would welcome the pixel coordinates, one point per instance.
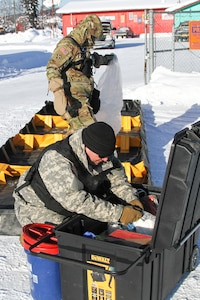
(86, 265)
(82, 264)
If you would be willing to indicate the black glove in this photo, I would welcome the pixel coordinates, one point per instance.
(99, 60)
(150, 204)
(108, 58)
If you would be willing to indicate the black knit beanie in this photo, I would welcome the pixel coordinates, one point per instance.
(100, 138)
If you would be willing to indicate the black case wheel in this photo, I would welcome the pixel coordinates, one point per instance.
(194, 259)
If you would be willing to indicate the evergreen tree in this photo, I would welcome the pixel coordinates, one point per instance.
(31, 11)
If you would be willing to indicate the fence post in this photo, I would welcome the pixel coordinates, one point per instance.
(151, 43)
(173, 48)
(146, 22)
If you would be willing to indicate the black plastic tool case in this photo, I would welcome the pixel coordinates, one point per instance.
(113, 269)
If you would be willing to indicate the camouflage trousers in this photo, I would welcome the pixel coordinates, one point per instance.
(85, 117)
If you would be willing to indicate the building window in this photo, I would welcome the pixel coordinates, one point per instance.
(122, 18)
(131, 16)
(135, 18)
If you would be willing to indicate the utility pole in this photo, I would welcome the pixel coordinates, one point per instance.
(53, 16)
(42, 14)
(14, 11)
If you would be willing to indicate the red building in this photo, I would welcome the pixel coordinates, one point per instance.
(122, 13)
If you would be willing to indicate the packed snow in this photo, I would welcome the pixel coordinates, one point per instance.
(170, 102)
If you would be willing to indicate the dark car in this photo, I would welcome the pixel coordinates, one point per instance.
(181, 33)
(124, 32)
(2, 31)
(7, 30)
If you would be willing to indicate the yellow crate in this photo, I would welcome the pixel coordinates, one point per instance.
(35, 141)
(128, 122)
(49, 121)
(135, 173)
(11, 171)
(125, 142)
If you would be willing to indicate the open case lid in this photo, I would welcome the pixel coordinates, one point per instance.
(179, 205)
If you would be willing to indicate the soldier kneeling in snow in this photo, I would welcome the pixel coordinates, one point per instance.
(80, 175)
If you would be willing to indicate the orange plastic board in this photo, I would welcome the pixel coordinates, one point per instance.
(130, 236)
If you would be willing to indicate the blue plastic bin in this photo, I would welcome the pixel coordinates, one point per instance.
(45, 283)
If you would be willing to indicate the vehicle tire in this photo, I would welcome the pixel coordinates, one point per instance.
(194, 259)
(112, 46)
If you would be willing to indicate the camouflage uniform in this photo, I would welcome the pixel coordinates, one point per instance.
(68, 55)
(59, 176)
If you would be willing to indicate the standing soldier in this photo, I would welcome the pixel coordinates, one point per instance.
(69, 72)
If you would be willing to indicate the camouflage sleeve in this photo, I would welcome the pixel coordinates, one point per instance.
(62, 183)
(120, 185)
(62, 56)
(30, 209)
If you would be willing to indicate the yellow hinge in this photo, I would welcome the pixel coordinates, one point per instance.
(128, 122)
(35, 141)
(125, 142)
(11, 171)
(133, 172)
(49, 121)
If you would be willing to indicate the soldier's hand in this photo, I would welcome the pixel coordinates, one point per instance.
(60, 102)
(131, 214)
(99, 60)
(150, 204)
(137, 203)
(108, 58)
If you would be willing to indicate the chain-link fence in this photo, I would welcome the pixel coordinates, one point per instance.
(170, 47)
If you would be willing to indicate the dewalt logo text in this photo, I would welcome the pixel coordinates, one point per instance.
(105, 260)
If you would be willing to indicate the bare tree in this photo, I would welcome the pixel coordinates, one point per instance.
(10, 10)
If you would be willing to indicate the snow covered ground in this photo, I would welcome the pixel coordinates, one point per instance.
(170, 103)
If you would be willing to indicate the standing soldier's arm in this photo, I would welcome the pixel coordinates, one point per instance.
(61, 58)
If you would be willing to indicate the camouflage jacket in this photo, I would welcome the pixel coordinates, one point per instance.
(67, 58)
(60, 178)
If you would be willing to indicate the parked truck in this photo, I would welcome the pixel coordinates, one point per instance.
(106, 40)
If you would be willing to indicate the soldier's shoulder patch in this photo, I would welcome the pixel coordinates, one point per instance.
(63, 50)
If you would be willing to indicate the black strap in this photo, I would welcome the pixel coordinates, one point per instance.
(75, 104)
(94, 184)
(86, 68)
(34, 179)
